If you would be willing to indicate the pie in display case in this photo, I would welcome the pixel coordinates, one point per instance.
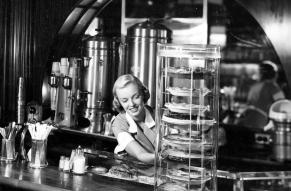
(187, 116)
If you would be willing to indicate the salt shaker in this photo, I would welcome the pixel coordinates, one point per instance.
(66, 164)
(79, 161)
(61, 163)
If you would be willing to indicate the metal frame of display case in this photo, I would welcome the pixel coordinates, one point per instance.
(240, 178)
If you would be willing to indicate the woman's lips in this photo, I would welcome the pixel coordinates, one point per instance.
(133, 110)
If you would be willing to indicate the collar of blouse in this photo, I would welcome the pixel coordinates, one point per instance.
(149, 121)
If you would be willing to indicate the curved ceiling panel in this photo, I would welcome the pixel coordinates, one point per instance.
(81, 16)
(71, 21)
(99, 3)
(75, 25)
(274, 18)
(84, 21)
(86, 2)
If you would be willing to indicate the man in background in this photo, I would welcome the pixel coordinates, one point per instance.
(266, 91)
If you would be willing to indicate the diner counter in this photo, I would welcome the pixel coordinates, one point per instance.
(239, 167)
(17, 175)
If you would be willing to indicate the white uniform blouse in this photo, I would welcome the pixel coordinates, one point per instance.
(123, 131)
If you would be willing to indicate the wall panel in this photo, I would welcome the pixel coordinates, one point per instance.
(27, 29)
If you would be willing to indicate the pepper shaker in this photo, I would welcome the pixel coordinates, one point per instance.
(66, 164)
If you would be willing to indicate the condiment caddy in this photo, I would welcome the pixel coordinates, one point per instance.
(76, 163)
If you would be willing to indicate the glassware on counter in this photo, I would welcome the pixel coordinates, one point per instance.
(39, 133)
(8, 134)
(8, 150)
(38, 153)
(187, 114)
(107, 120)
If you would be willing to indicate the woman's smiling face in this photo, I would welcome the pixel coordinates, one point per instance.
(131, 100)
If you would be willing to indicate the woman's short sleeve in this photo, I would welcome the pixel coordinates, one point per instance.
(120, 130)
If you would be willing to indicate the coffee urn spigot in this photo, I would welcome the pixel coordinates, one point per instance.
(67, 83)
(54, 81)
(86, 61)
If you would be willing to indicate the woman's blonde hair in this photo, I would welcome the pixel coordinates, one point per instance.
(123, 81)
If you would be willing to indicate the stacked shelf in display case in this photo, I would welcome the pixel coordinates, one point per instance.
(187, 117)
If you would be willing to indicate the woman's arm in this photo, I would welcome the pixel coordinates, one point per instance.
(136, 150)
(127, 142)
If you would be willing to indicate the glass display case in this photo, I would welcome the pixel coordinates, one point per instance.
(187, 114)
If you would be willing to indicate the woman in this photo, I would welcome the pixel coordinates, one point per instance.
(134, 126)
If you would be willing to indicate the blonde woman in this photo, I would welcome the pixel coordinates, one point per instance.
(134, 126)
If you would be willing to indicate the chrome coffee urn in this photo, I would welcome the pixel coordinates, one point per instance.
(141, 48)
(280, 115)
(98, 73)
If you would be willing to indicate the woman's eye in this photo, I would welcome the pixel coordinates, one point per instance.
(123, 100)
(137, 96)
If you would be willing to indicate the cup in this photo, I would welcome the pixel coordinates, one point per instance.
(107, 124)
(8, 150)
(8, 170)
(38, 153)
(37, 176)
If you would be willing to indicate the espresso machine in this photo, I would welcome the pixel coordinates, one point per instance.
(70, 84)
(98, 73)
(280, 123)
(62, 93)
(64, 85)
(53, 81)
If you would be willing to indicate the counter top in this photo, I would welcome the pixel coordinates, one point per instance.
(20, 175)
